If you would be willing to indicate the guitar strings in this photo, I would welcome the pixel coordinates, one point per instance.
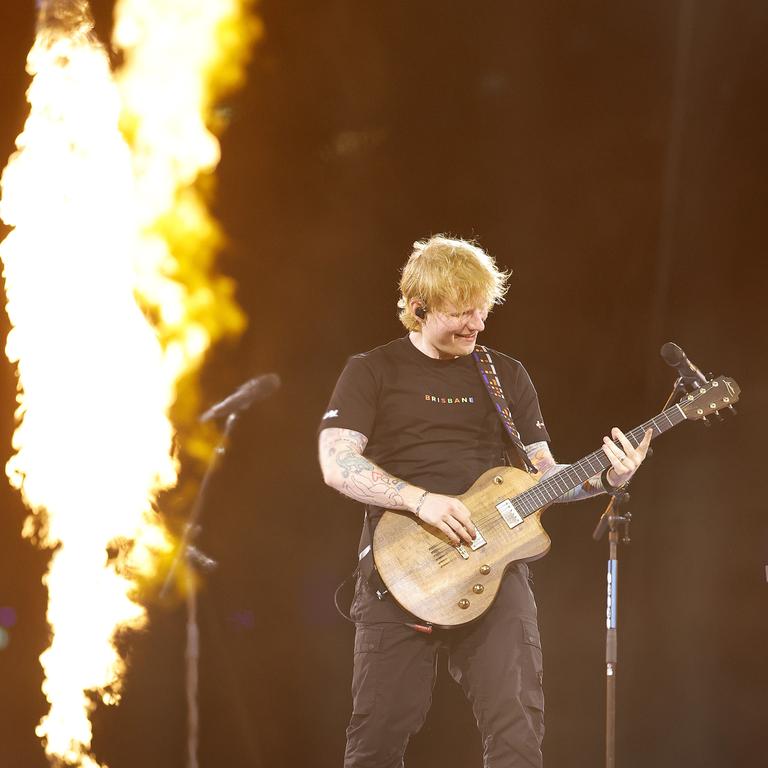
(527, 502)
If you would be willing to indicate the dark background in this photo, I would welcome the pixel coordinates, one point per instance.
(613, 155)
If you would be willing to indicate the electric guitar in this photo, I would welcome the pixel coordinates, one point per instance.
(447, 585)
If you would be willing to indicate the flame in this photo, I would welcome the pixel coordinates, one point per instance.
(93, 443)
(109, 312)
(180, 59)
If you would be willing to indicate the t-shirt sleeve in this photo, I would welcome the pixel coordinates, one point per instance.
(526, 412)
(353, 402)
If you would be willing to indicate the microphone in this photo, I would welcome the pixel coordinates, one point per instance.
(242, 398)
(677, 359)
(200, 559)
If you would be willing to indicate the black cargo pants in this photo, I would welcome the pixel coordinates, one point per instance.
(496, 660)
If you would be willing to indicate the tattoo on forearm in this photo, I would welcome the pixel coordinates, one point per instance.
(589, 488)
(351, 462)
(361, 479)
(541, 457)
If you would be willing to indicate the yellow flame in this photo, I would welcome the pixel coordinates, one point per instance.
(96, 229)
(93, 446)
(180, 58)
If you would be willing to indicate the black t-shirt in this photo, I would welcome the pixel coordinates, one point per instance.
(431, 422)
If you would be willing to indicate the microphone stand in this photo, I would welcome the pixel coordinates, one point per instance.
(612, 520)
(195, 559)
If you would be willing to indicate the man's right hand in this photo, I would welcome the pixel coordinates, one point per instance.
(448, 515)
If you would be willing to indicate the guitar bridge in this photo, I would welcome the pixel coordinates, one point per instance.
(507, 510)
(462, 550)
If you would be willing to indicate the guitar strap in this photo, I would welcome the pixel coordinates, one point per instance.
(487, 371)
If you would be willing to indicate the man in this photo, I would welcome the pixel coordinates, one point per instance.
(410, 425)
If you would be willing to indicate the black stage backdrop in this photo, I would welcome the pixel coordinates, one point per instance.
(614, 156)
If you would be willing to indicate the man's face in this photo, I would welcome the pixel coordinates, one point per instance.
(453, 331)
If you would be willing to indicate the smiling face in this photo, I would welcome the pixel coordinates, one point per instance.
(447, 287)
(450, 332)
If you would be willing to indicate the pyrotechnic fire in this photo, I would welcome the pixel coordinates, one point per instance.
(93, 446)
(180, 58)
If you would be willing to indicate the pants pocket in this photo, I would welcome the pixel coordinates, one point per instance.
(533, 667)
(366, 669)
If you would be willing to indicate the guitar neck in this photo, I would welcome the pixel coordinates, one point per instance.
(575, 474)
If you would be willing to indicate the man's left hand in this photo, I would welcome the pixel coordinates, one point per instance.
(625, 459)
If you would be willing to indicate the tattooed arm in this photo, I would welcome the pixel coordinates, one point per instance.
(349, 472)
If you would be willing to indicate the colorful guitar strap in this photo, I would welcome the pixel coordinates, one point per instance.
(490, 378)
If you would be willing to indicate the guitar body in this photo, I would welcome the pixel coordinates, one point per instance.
(430, 578)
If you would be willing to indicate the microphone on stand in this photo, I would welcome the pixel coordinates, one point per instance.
(258, 388)
(677, 359)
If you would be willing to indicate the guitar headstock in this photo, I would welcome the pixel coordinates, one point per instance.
(713, 397)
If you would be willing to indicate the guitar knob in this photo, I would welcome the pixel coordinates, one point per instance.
(478, 589)
(463, 603)
(485, 569)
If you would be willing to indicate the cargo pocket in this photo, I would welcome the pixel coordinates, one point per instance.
(366, 669)
(532, 673)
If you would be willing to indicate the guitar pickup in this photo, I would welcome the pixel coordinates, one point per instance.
(507, 510)
(478, 542)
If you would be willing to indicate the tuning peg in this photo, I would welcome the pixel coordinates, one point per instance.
(718, 416)
(706, 421)
(732, 410)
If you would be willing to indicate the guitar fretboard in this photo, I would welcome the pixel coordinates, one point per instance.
(575, 474)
